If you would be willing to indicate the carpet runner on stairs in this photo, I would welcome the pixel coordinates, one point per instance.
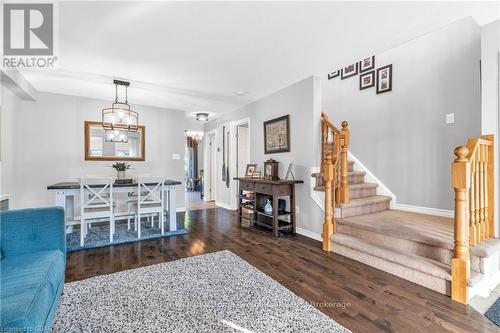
(416, 247)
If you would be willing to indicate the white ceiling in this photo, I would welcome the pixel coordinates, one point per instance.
(195, 56)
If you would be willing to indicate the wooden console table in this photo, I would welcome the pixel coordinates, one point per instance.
(272, 189)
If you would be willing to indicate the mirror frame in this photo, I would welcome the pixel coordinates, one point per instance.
(86, 145)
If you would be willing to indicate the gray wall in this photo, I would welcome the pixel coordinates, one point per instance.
(43, 144)
(301, 102)
(401, 136)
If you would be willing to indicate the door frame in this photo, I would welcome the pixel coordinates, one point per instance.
(233, 147)
(210, 166)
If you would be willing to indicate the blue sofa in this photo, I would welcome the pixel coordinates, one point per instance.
(33, 250)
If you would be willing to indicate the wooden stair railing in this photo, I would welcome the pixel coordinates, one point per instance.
(472, 178)
(334, 168)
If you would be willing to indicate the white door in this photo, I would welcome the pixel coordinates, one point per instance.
(243, 150)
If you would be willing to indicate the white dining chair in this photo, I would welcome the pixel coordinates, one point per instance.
(96, 202)
(150, 201)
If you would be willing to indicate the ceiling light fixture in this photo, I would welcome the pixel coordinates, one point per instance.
(202, 116)
(116, 136)
(119, 115)
(241, 93)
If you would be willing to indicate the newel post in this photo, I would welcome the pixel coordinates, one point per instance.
(329, 222)
(460, 264)
(343, 191)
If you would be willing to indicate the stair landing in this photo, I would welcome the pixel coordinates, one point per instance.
(428, 229)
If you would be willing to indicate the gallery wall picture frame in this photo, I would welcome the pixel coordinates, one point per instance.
(251, 168)
(384, 79)
(334, 74)
(277, 135)
(367, 64)
(367, 80)
(349, 71)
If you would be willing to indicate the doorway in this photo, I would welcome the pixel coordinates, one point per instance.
(241, 148)
(194, 171)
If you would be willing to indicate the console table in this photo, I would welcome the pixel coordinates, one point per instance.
(273, 190)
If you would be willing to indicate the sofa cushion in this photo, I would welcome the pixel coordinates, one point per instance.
(29, 284)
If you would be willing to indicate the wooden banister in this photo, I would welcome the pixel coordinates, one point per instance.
(334, 167)
(472, 179)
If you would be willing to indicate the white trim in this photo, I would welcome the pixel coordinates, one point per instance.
(309, 234)
(232, 145)
(425, 210)
(223, 205)
(370, 178)
(180, 209)
(207, 166)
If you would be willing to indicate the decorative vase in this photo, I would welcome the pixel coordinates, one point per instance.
(120, 174)
(268, 208)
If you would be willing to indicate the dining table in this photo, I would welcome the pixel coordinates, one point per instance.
(65, 193)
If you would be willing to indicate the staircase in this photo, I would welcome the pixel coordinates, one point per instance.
(363, 196)
(416, 247)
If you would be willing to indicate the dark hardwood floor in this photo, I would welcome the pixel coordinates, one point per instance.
(359, 297)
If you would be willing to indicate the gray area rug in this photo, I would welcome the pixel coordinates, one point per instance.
(217, 292)
(493, 312)
(98, 235)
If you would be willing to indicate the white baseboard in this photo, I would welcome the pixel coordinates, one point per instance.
(180, 209)
(424, 210)
(223, 205)
(309, 234)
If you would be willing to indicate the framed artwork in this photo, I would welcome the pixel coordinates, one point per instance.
(256, 174)
(289, 173)
(367, 80)
(277, 135)
(384, 79)
(333, 74)
(349, 71)
(367, 64)
(250, 170)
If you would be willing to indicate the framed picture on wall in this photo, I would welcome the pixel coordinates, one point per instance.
(367, 64)
(366, 80)
(277, 135)
(384, 79)
(333, 74)
(349, 71)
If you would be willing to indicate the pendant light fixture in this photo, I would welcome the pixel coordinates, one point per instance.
(116, 136)
(119, 116)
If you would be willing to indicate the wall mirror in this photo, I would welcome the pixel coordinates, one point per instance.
(113, 145)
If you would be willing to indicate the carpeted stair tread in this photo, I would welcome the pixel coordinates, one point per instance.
(412, 261)
(428, 229)
(485, 248)
(356, 173)
(362, 186)
(364, 201)
(474, 279)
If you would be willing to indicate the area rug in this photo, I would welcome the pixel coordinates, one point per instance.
(98, 236)
(493, 312)
(217, 292)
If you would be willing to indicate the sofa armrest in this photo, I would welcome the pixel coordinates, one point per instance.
(32, 230)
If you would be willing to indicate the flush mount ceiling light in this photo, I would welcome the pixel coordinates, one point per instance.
(241, 93)
(116, 136)
(119, 116)
(202, 116)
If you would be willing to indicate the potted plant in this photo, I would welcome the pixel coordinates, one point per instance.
(121, 168)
